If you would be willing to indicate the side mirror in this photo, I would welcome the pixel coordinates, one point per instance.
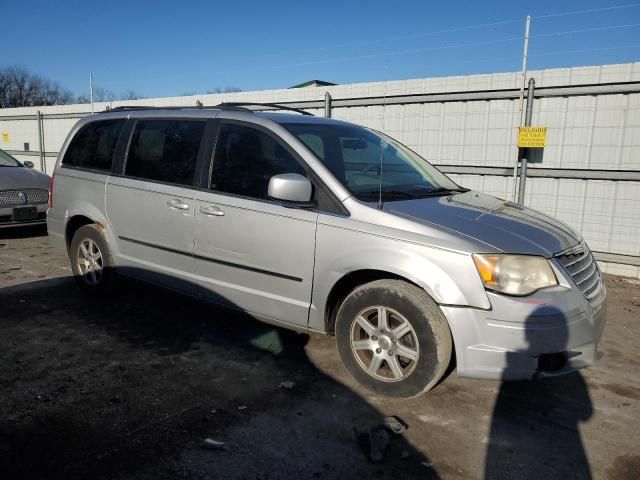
(28, 163)
(290, 187)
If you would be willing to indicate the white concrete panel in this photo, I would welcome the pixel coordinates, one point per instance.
(619, 269)
(600, 132)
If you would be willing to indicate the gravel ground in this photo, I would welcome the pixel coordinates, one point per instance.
(130, 386)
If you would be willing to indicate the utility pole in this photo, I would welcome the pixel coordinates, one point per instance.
(91, 90)
(527, 123)
(327, 105)
(43, 165)
(524, 80)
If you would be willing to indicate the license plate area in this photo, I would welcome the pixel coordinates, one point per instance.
(21, 214)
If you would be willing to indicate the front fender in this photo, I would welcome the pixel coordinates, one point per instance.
(450, 278)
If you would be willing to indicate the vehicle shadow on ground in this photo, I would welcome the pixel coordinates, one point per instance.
(128, 386)
(535, 425)
(23, 232)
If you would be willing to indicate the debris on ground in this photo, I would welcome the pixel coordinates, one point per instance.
(212, 444)
(242, 407)
(287, 384)
(374, 442)
(395, 424)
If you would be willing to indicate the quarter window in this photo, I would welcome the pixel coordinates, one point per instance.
(165, 150)
(94, 145)
(246, 159)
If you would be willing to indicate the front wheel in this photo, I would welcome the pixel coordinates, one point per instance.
(393, 338)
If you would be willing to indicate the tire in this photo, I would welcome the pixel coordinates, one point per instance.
(93, 240)
(422, 352)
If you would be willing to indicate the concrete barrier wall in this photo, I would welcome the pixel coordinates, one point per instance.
(590, 176)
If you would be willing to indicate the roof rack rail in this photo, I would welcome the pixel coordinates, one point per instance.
(241, 106)
(126, 107)
(142, 107)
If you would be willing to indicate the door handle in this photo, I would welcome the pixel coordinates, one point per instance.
(212, 211)
(179, 204)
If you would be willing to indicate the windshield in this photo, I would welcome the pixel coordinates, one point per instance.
(7, 160)
(369, 163)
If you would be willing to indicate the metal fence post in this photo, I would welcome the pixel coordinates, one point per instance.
(327, 105)
(527, 123)
(525, 53)
(43, 166)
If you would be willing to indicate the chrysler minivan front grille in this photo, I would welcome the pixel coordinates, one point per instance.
(27, 196)
(582, 267)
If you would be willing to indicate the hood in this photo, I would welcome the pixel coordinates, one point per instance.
(504, 225)
(12, 178)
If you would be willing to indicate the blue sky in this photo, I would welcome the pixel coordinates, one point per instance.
(160, 48)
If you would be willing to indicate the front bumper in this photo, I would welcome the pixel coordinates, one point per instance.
(7, 219)
(517, 337)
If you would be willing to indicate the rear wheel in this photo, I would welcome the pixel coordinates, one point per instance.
(393, 338)
(91, 259)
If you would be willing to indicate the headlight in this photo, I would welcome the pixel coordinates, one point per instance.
(515, 274)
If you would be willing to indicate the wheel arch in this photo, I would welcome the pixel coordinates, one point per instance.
(86, 214)
(72, 226)
(347, 283)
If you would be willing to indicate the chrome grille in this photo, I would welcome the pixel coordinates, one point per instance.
(582, 267)
(28, 196)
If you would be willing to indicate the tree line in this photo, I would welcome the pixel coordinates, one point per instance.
(21, 88)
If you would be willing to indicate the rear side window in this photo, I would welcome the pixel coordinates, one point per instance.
(94, 145)
(246, 159)
(165, 150)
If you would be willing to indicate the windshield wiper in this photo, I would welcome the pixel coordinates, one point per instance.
(388, 193)
(442, 191)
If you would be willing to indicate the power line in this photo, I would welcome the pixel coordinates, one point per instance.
(451, 30)
(595, 29)
(547, 54)
(449, 46)
(402, 37)
(436, 32)
(377, 55)
(590, 10)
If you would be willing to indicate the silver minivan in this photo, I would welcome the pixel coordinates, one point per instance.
(324, 226)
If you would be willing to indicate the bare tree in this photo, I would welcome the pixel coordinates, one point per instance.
(225, 90)
(21, 88)
(215, 90)
(130, 95)
(101, 94)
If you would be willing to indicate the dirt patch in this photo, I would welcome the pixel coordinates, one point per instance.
(624, 391)
(625, 467)
(130, 386)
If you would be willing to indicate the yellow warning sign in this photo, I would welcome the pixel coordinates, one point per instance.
(532, 137)
(5, 137)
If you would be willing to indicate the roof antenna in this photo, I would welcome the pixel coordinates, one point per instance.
(382, 142)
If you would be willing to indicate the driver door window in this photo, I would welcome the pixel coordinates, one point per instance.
(246, 159)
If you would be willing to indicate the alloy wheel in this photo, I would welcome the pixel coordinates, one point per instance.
(384, 343)
(90, 262)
